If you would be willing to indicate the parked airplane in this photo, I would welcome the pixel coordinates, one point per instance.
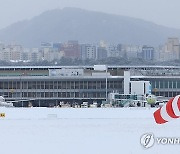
(156, 100)
(3, 103)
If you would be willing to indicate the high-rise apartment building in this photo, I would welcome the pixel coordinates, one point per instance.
(71, 49)
(172, 47)
(88, 51)
(148, 53)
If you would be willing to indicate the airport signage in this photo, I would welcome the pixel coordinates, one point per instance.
(2, 115)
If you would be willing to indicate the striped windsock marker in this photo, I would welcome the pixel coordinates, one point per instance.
(169, 111)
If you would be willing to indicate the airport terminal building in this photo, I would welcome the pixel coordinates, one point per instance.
(50, 85)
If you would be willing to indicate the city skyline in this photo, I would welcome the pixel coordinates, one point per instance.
(56, 52)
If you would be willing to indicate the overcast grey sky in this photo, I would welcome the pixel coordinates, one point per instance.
(163, 12)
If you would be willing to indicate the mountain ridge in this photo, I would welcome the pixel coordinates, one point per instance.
(60, 25)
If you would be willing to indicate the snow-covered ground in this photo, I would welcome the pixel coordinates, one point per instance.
(82, 131)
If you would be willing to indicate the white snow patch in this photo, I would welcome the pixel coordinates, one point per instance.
(82, 131)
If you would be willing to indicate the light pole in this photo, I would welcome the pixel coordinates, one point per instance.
(22, 105)
(21, 88)
(106, 83)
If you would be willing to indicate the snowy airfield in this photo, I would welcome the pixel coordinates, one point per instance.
(82, 131)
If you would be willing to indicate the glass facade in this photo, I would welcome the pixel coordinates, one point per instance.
(92, 88)
(165, 87)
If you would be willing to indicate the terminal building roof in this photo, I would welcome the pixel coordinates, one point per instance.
(109, 66)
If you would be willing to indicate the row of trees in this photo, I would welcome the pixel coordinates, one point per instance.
(78, 62)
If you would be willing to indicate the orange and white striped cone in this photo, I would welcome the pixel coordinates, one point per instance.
(169, 111)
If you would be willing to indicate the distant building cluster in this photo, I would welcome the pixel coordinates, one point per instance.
(72, 49)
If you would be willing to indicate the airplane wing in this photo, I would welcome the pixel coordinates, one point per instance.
(11, 101)
(21, 100)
